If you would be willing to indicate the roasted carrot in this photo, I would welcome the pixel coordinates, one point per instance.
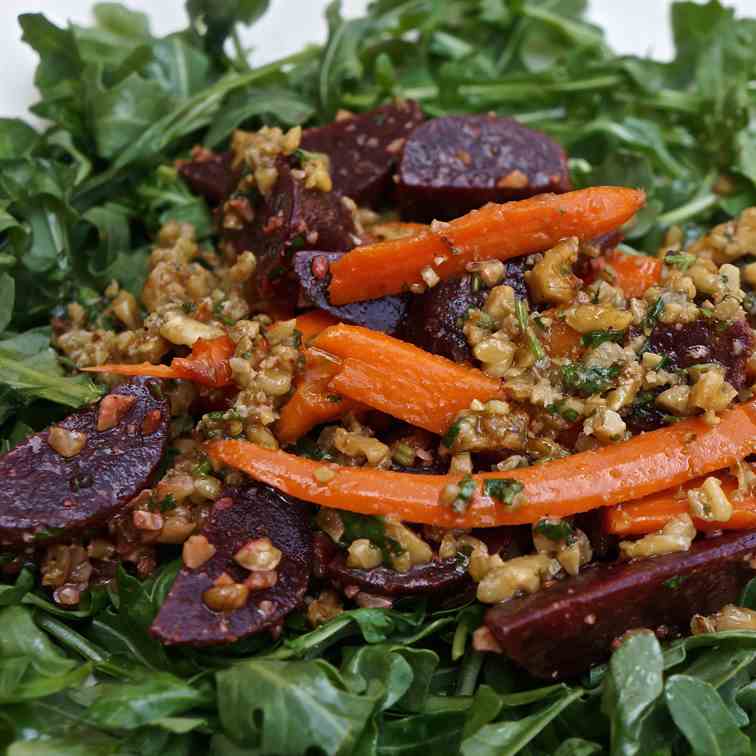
(644, 465)
(559, 339)
(313, 401)
(653, 512)
(494, 231)
(208, 364)
(631, 273)
(402, 380)
(146, 369)
(311, 323)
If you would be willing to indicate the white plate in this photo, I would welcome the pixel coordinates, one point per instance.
(632, 26)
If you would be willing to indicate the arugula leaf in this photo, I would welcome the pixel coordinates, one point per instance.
(632, 685)
(7, 299)
(511, 736)
(701, 715)
(129, 705)
(258, 700)
(28, 366)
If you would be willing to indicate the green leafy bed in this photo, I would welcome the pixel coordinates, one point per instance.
(78, 205)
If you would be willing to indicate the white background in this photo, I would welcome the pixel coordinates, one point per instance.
(633, 26)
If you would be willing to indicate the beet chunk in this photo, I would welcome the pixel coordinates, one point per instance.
(435, 318)
(563, 630)
(454, 164)
(45, 495)
(440, 576)
(365, 149)
(382, 314)
(210, 175)
(687, 344)
(241, 515)
(292, 217)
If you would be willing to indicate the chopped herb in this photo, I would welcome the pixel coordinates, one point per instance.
(202, 468)
(372, 528)
(594, 338)
(675, 582)
(466, 491)
(166, 504)
(521, 312)
(504, 490)
(680, 261)
(297, 242)
(451, 434)
(566, 413)
(587, 381)
(653, 315)
(554, 530)
(45, 534)
(334, 398)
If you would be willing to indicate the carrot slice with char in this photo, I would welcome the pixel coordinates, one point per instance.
(494, 231)
(654, 512)
(208, 364)
(644, 465)
(402, 380)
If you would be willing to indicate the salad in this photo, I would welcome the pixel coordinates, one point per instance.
(396, 395)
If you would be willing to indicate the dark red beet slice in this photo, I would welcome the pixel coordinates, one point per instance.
(563, 630)
(454, 164)
(687, 344)
(438, 577)
(382, 314)
(210, 175)
(257, 511)
(45, 494)
(292, 218)
(365, 149)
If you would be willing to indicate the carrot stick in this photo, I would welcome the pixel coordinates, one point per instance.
(653, 512)
(146, 369)
(494, 231)
(208, 364)
(313, 401)
(311, 323)
(402, 380)
(644, 465)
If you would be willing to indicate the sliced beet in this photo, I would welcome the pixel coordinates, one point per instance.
(291, 218)
(435, 318)
(211, 175)
(441, 576)
(364, 149)
(241, 515)
(46, 495)
(563, 630)
(705, 340)
(454, 164)
(382, 314)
